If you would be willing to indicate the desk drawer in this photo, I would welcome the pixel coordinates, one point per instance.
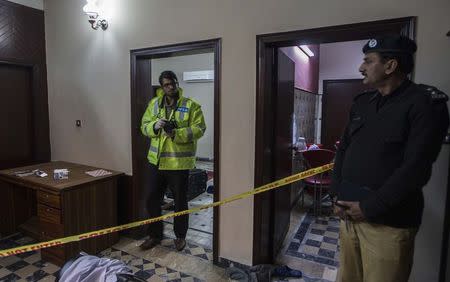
(50, 230)
(49, 199)
(49, 214)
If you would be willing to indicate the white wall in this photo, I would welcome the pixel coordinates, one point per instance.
(340, 60)
(89, 75)
(37, 4)
(202, 92)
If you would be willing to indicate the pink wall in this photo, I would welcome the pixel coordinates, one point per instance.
(306, 68)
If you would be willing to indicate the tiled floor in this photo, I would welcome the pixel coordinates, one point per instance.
(317, 240)
(26, 266)
(146, 269)
(311, 245)
(162, 263)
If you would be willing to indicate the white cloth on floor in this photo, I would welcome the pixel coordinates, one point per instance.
(91, 268)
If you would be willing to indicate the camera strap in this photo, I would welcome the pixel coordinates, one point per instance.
(173, 109)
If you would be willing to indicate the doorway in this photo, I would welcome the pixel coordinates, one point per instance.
(267, 216)
(146, 64)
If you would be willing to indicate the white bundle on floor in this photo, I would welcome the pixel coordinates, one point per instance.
(88, 268)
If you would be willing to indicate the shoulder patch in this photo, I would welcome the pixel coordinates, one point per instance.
(183, 109)
(436, 95)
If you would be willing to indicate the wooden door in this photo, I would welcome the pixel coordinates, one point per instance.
(284, 109)
(337, 100)
(16, 124)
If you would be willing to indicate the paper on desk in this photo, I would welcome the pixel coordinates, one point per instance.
(24, 173)
(98, 172)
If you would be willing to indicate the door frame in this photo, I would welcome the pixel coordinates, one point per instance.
(138, 87)
(266, 45)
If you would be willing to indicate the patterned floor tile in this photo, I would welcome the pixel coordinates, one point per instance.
(317, 240)
(32, 268)
(190, 249)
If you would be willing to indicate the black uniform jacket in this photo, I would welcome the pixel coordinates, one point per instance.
(389, 150)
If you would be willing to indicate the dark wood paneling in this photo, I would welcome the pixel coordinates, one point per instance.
(7, 224)
(15, 113)
(337, 100)
(16, 206)
(264, 147)
(141, 92)
(22, 45)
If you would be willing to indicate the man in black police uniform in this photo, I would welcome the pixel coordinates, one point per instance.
(384, 159)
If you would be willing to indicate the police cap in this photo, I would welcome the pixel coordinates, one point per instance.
(390, 44)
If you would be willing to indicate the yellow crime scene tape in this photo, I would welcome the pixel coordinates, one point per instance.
(92, 234)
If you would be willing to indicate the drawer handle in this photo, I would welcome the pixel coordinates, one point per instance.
(46, 195)
(49, 210)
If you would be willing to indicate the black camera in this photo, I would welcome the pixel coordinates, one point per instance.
(170, 126)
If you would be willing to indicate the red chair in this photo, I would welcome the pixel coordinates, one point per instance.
(312, 159)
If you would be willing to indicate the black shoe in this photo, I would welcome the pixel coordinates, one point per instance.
(149, 244)
(180, 243)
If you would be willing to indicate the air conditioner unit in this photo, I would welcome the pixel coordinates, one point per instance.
(198, 76)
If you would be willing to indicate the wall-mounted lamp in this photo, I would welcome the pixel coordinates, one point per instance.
(306, 50)
(91, 9)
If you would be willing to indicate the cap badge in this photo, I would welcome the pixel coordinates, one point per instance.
(372, 43)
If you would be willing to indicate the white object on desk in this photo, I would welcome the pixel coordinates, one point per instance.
(61, 173)
(98, 172)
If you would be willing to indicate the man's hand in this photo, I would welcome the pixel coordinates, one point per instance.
(353, 210)
(159, 124)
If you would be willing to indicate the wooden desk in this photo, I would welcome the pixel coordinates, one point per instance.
(46, 209)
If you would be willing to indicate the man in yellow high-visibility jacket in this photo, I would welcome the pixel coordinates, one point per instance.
(174, 123)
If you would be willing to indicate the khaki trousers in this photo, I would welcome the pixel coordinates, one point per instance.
(375, 253)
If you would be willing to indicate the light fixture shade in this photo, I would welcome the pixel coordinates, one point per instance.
(306, 50)
(91, 9)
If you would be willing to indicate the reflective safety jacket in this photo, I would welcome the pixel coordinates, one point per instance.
(177, 153)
